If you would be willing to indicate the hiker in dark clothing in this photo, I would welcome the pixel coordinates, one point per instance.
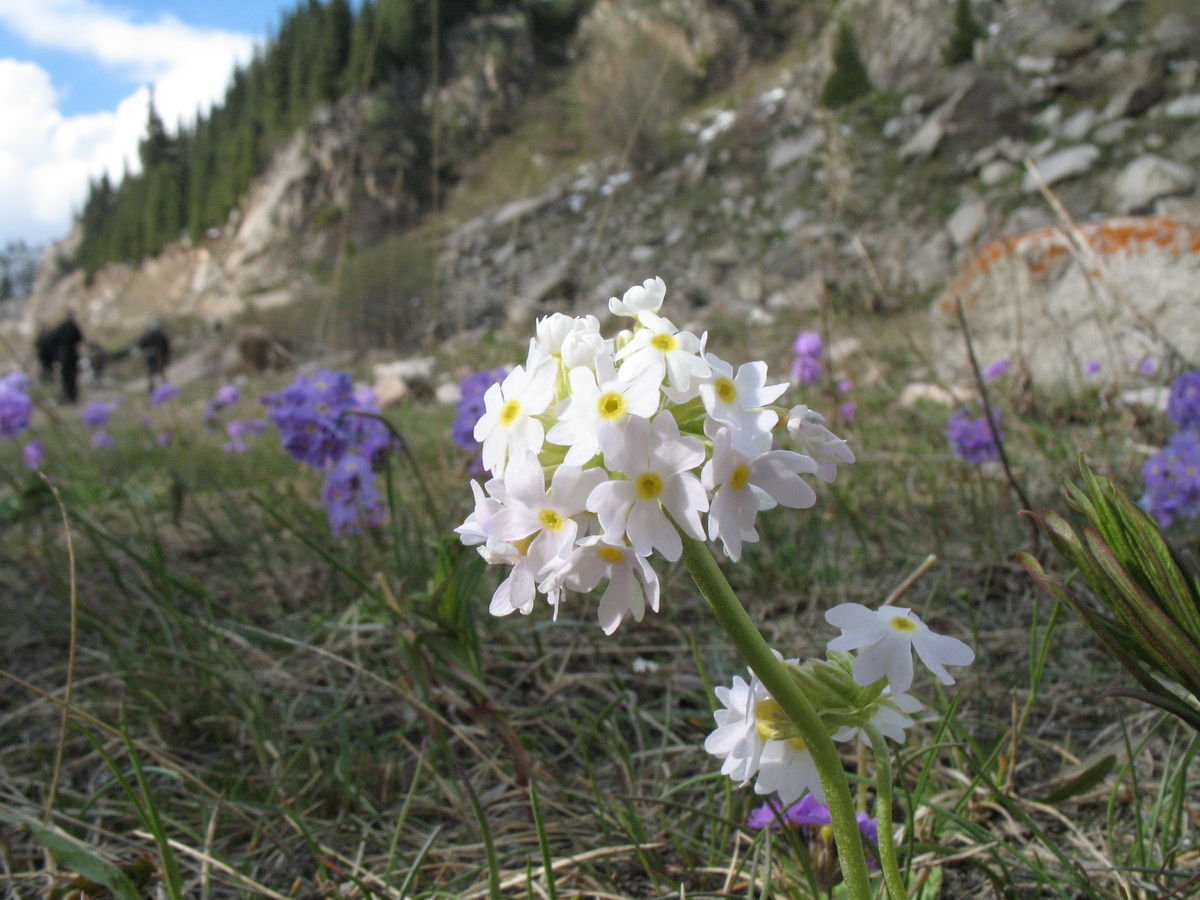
(45, 349)
(155, 347)
(60, 346)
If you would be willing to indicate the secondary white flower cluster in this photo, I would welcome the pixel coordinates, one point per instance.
(754, 737)
(601, 450)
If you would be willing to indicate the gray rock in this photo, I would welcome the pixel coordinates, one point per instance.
(790, 151)
(933, 263)
(1076, 128)
(1184, 107)
(996, 171)
(965, 224)
(1149, 178)
(1060, 165)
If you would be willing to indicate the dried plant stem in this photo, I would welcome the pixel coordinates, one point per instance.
(73, 592)
(991, 419)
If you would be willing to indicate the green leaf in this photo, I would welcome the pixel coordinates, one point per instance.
(1164, 700)
(1175, 655)
(77, 856)
(1079, 779)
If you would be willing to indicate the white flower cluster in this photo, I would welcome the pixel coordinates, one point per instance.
(754, 737)
(602, 450)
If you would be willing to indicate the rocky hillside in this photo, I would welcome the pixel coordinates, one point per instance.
(727, 177)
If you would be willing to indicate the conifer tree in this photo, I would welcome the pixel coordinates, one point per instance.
(849, 79)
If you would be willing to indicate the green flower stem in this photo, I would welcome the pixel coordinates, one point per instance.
(755, 651)
(883, 814)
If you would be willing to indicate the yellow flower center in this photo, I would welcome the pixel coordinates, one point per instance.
(551, 520)
(739, 476)
(772, 723)
(610, 405)
(663, 342)
(509, 412)
(648, 485)
(725, 390)
(902, 623)
(610, 554)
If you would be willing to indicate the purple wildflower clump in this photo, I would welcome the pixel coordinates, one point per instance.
(163, 393)
(226, 396)
(102, 440)
(239, 431)
(33, 453)
(806, 367)
(16, 409)
(311, 415)
(812, 819)
(971, 437)
(329, 424)
(996, 368)
(1183, 402)
(470, 408)
(97, 413)
(1172, 479)
(351, 496)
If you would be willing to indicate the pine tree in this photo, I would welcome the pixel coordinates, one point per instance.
(849, 79)
(961, 45)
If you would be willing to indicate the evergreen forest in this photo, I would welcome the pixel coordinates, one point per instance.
(323, 50)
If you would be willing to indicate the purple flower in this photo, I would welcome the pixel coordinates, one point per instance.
(470, 408)
(351, 496)
(806, 367)
(163, 393)
(996, 368)
(102, 440)
(34, 453)
(808, 813)
(163, 438)
(1147, 366)
(226, 395)
(849, 408)
(808, 343)
(1093, 367)
(1172, 479)
(310, 414)
(845, 386)
(98, 412)
(16, 409)
(971, 437)
(806, 370)
(1183, 403)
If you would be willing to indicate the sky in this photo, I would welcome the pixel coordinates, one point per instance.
(75, 82)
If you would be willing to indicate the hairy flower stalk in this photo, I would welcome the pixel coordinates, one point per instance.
(753, 648)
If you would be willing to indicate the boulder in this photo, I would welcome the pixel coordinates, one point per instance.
(1115, 292)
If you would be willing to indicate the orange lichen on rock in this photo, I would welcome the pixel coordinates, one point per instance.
(1037, 250)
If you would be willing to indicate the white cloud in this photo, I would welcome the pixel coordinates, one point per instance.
(46, 158)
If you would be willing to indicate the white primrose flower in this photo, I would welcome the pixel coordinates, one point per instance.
(632, 583)
(474, 529)
(754, 736)
(600, 400)
(743, 485)
(509, 425)
(885, 639)
(544, 518)
(787, 768)
(576, 341)
(519, 590)
(807, 428)
(645, 297)
(656, 463)
(673, 354)
(736, 739)
(738, 401)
